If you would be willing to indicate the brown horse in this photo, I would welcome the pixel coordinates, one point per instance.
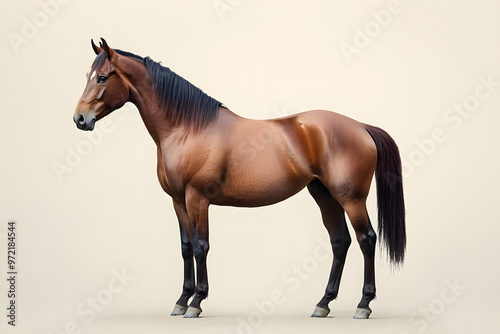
(209, 155)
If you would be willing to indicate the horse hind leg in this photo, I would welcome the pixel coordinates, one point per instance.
(333, 216)
(358, 215)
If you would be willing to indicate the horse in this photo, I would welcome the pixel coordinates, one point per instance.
(208, 155)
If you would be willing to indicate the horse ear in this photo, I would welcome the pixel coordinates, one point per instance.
(109, 52)
(96, 49)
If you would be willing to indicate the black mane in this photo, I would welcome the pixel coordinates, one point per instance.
(181, 101)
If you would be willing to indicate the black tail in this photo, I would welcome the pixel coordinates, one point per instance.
(390, 200)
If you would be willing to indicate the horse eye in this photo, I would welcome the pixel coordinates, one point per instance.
(101, 79)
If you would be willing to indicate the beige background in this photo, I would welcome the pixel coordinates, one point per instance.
(263, 59)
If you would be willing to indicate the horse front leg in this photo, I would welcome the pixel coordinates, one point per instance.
(198, 212)
(188, 286)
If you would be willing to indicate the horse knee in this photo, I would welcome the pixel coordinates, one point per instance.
(186, 250)
(202, 290)
(369, 293)
(340, 246)
(200, 249)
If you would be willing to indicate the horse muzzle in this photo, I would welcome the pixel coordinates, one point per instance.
(85, 122)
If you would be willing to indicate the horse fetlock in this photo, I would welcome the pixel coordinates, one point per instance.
(188, 290)
(369, 293)
(202, 290)
(329, 296)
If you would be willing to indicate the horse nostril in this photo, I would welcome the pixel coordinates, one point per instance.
(81, 119)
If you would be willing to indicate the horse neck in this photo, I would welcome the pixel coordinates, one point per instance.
(142, 94)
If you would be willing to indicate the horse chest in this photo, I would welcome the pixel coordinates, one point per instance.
(169, 179)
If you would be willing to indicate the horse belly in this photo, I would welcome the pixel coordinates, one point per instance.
(262, 180)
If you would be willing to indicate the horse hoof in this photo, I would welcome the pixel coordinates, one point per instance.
(178, 310)
(192, 312)
(362, 313)
(320, 312)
